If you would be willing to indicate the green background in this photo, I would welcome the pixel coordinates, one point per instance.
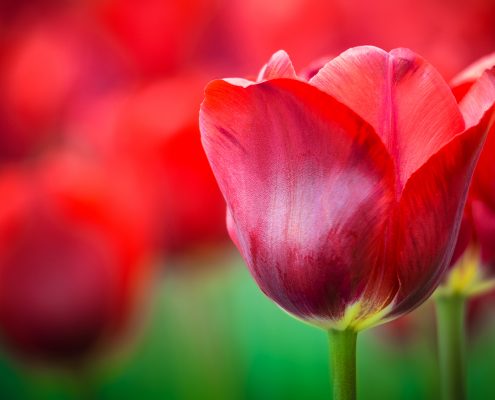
(211, 334)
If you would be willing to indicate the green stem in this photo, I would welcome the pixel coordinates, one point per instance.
(451, 343)
(343, 360)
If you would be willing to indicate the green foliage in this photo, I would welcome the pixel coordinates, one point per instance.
(216, 336)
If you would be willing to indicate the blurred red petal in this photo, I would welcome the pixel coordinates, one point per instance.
(72, 260)
(484, 219)
(479, 98)
(463, 81)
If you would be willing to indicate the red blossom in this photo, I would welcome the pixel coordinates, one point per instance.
(154, 127)
(345, 193)
(478, 81)
(73, 260)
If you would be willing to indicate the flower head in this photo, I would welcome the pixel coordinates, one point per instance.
(73, 254)
(474, 257)
(345, 192)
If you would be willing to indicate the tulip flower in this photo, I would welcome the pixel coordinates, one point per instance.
(158, 126)
(155, 127)
(157, 36)
(73, 252)
(479, 217)
(345, 192)
(50, 65)
(449, 34)
(472, 271)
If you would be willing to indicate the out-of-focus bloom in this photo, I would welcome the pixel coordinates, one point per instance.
(255, 28)
(156, 127)
(408, 330)
(474, 258)
(73, 260)
(345, 193)
(49, 66)
(157, 35)
(449, 34)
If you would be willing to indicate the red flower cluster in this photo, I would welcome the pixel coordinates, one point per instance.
(102, 167)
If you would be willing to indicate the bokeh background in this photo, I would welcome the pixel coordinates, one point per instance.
(117, 278)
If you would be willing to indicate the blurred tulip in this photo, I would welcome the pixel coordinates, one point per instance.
(305, 28)
(50, 65)
(448, 33)
(11, 11)
(158, 35)
(155, 127)
(73, 260)
(476, 244)
(344, 193)
(410, 329)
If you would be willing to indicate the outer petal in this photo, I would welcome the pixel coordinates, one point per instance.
(313, 68)
(484, 179)
(279, 66)
(430, 214)
(403, 97)
(462, 82)
(479, 98)
(308, 186)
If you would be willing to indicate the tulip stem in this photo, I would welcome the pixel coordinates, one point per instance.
(343, 361)
(450, 309)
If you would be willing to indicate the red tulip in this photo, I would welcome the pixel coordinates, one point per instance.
(449, 34)
(476, 243)
(156, 128)
(463, 81)
(73, 249)
(157, 35)
(50, 66)
(345, 192)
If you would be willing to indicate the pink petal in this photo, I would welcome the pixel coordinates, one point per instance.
(479, 98)
(403, 97)
(462, 82)
(279, 66)
(313, 68)
(308, 186)
(240, 82)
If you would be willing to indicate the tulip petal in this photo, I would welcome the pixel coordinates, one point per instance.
(240, 82)
(478, 99)
(484, 219)
(308, 186)
(313, 68)
(483, 187)
(279, 66)
(463, 81)
(430, 214)
(403, 97)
